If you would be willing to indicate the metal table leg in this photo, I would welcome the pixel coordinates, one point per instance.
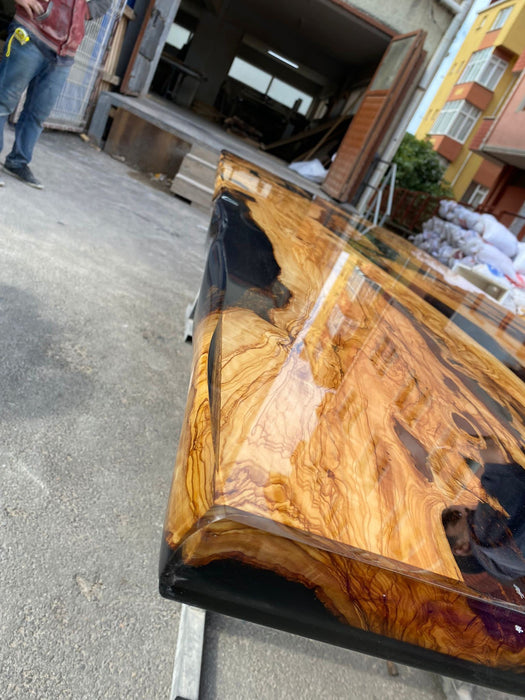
(188, 655)
(190, 314)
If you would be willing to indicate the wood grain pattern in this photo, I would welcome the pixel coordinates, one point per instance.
(331, 412)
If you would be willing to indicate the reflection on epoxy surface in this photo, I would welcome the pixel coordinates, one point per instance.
(241, 269)
(493, 538)
(356, 410)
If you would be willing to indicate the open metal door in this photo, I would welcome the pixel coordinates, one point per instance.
(392, 80)
(148, 47)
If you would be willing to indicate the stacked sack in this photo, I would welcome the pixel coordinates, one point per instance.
(461, 235)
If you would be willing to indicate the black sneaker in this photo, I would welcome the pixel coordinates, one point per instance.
(23, 172)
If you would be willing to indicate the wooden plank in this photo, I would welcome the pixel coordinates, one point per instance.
(301, 135)
(310, 154)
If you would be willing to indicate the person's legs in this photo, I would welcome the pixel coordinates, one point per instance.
(16, 71)
(42, 94)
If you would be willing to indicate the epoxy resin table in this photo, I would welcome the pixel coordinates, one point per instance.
(344, 393)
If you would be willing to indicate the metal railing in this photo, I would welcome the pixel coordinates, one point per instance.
(377, 211)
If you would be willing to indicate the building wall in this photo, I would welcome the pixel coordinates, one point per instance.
(508, 43)
(512, 34)
(509, 130)
(508, 199)
(406, 16)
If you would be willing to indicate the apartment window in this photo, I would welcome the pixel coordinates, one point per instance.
(475, 194)
(456, 120)
(501, 18)
(475, 65)
(484, 68)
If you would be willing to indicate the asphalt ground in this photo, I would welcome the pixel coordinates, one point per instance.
(96, 272)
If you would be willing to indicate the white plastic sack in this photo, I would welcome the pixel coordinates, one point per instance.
(468, 261)
(490, 255)
(431, 246)
(435, 224)
(427, 241)
(443, 208)
(448, 255)
(446, 208)
(466, 218)
(499, 236)
(479, 227)
(453, 233)
(519, 260)
(311, 169)
(472, 242)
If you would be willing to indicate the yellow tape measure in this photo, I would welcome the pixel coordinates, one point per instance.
(20, 35)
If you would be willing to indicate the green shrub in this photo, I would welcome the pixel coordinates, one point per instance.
(419, 167)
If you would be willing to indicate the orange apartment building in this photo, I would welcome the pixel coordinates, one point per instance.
(500, 140)
(477, 119)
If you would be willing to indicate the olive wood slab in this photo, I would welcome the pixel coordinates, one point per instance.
(343, 386)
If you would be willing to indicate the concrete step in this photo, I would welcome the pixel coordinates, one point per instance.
(198, 194)
(204, 153)
(195, 179)
(198, 170)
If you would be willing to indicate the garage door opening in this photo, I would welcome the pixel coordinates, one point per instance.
(286, 77)
(293, 79)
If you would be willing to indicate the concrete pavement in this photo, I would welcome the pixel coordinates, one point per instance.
(96, 271)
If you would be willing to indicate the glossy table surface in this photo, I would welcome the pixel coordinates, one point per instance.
(346, 390)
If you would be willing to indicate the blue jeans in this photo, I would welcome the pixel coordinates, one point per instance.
(39, 71)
